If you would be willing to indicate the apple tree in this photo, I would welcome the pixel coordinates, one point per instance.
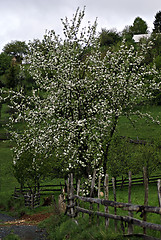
(80, 95)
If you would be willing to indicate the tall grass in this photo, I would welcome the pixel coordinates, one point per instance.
(7, 180)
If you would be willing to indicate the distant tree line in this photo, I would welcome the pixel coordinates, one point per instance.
(13, 53)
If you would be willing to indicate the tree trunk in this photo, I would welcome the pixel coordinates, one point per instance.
(108, 145)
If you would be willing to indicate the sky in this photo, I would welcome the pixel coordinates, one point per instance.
(25, 20)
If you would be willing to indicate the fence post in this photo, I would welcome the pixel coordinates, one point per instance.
(99, 186)
(99, 189)
(78, 191)
(146, 195)
(93, 183)
(159, 194)
(78, 187)
(67, 184)
(114, 193)
(71, 188)
(106, 190)
(130, 226)
(92, 191)
(32, 200)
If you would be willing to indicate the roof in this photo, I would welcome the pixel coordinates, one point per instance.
(138, 37)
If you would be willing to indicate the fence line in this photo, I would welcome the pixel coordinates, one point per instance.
(32, 197)
(134, 181)
(42, 189)
(74, 206)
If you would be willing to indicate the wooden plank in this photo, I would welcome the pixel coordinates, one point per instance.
(130, 227)
(159, 195)
(114, 194)
(159, 192)
(125, 206)
(78, 190)
(146, 196)
(128, 219)
(71, 192)
(92, 192)
(78, 187)
(106, 190)
(99, 190)
(99, 186)
(93, 183)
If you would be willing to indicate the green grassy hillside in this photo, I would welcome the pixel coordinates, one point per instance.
(142, 129)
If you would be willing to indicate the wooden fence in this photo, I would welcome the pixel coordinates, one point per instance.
(75, 201)
(32, 195)
(32, 200)
(134, 181)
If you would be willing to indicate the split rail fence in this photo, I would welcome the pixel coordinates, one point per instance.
(75, 201)
(32, 195)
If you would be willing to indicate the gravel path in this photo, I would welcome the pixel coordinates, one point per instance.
(6, 218)
(25, 232)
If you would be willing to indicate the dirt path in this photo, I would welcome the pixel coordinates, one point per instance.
(26, 227)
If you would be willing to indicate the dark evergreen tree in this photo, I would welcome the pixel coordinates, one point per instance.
(16, 49)
(109, 37)
(157, 23)
(5, 62)
(11, 78)
(139, 26)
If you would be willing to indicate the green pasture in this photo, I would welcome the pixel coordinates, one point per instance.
(142, 129)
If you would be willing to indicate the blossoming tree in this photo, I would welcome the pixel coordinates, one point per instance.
(80, 95)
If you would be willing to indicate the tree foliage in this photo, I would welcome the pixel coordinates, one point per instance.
(127, 34)
(11, 77)
(109, 37)
(5, 63)
(16, 49)
(157, 23)
(139, 26)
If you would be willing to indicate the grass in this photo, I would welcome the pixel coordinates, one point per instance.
(7, 180)
(4, 113)
(142, 129)
(62, 227)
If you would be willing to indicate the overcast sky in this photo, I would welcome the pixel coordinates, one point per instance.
(25, 20)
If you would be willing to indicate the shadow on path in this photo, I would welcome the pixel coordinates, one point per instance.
(25, 232)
